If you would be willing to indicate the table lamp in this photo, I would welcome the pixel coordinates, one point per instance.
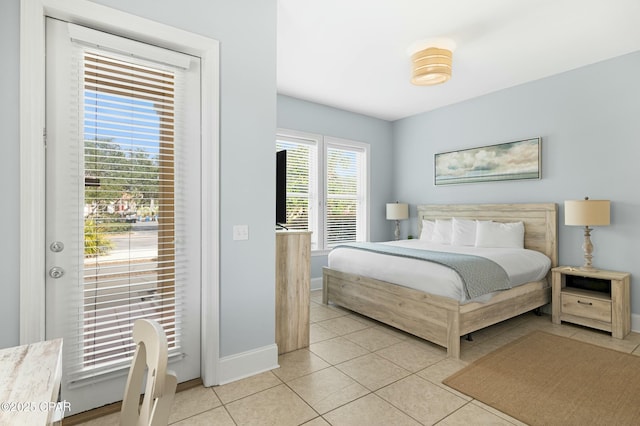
(587, 213)
(397, 211)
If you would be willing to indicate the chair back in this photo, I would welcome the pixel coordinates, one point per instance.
(151, 355)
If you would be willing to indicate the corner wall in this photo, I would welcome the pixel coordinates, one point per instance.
(590, 128)
(10, 172)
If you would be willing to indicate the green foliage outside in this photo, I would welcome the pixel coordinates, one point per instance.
(121, 172)
(96, 241)
(125, 176)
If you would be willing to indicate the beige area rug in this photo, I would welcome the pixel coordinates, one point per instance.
(544, 379)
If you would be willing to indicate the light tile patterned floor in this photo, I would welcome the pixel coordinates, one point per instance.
(359, 372)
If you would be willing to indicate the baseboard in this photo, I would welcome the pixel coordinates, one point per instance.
(245, 364)
(316, 283)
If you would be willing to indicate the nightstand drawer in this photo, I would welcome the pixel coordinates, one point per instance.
(586, 307)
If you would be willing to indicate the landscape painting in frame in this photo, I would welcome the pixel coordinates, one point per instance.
(506, 161)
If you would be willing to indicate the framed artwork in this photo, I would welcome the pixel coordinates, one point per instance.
(505, 161)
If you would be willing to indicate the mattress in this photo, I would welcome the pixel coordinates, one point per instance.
(521, 265)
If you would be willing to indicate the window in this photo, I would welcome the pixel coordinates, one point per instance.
(326, 187)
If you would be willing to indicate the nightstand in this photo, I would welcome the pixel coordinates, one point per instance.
(598, 299)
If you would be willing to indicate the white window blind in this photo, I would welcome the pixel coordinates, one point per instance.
(132, 212)
(327, 193)
(345, 196)
(301, 195)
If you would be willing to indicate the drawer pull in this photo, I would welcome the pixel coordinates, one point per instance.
(585, 303)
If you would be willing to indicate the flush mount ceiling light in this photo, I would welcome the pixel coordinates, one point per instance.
(431, 62)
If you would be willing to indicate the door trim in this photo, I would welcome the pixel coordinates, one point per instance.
(32, 156)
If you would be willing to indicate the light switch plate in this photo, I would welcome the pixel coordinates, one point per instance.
(240, 232)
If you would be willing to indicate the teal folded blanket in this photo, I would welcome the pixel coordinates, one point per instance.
(479, 275)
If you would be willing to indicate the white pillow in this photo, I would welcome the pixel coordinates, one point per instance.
(463, 232)
(428, 226)
(497, 234)
(442, 231)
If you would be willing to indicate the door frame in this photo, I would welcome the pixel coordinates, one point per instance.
(32, 156)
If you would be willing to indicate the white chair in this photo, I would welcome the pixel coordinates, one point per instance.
(151, 354)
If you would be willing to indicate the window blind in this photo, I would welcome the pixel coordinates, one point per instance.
(131, 263)
(344, 194)
(300, 176)
(326, 187)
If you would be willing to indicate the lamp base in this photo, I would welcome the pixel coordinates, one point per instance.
(397, 231)
(587, 246)
(587, 268)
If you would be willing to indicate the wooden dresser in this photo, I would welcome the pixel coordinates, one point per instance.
(293, 282)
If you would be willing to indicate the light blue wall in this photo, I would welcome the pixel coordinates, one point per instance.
(304, 116)
(246, 30)
(589, 120)
(9, 173)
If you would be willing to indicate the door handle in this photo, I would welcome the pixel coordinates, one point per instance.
(56, 272)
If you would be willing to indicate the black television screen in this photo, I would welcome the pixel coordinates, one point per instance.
(281, 187)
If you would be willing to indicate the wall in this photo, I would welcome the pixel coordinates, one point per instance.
(246, 30)
(588, 119)
(304, 116)
(10, 172)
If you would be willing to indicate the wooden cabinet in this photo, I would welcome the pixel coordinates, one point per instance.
(293, 282)
(598, 299)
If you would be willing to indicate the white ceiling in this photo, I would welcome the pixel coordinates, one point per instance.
(353, 54)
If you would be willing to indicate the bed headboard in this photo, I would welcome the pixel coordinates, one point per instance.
(540, 221)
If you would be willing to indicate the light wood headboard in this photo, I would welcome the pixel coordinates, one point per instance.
(540, 221)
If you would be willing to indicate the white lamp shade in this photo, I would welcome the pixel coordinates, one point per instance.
(397, 211)
(587, 212)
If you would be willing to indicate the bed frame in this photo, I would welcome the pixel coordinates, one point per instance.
(443, 320)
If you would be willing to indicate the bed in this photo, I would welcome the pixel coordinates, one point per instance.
(444, 320)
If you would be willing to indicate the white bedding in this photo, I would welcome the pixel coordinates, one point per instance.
(522, 266)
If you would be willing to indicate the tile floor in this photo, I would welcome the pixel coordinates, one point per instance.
(360, 372)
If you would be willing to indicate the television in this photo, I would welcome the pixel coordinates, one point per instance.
(281, 189)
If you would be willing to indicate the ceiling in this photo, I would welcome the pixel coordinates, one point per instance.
(354, 54)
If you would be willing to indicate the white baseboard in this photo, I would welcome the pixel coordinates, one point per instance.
(316, 283)
(245, 364)
(635, 323)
